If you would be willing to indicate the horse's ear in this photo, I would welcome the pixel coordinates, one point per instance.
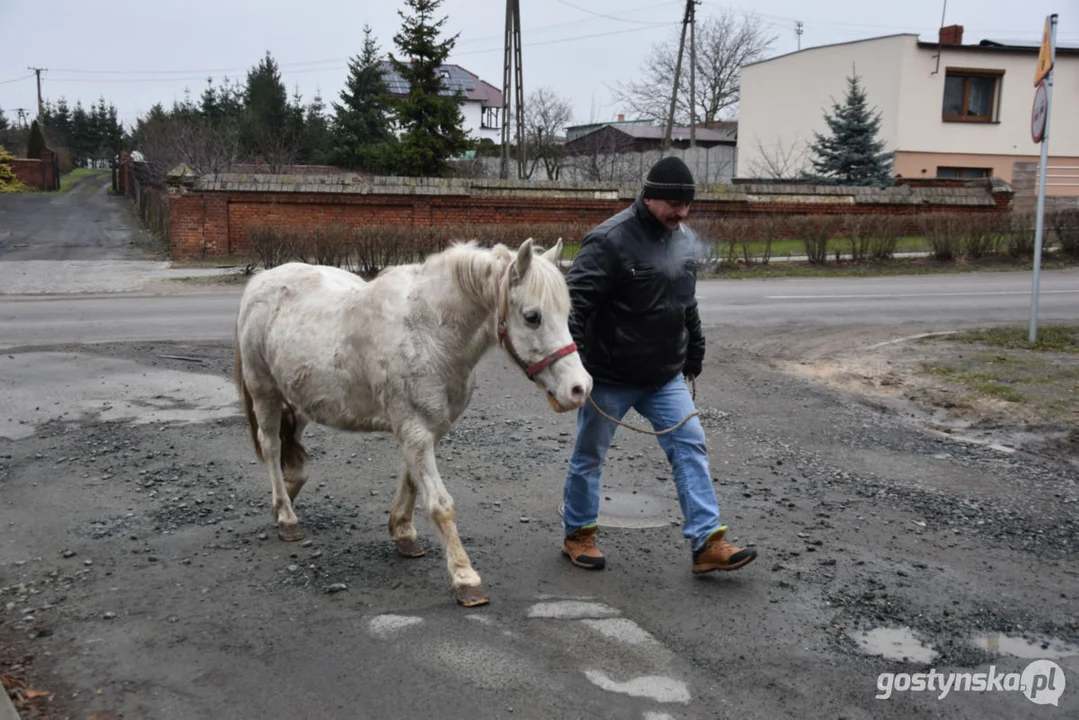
(524, 257)
(555, 253)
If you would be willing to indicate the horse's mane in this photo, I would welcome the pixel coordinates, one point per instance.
(476, 270)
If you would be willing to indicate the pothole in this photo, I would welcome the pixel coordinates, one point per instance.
(895, 644)
(1023, 648)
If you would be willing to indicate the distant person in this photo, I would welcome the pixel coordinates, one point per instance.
(634, 319)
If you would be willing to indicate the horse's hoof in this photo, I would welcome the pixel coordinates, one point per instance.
(410, 547)
(470, 595)
(290, 533)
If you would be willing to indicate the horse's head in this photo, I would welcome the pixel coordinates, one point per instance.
(533, 326)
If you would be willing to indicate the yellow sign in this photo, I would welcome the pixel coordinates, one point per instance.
(1045, 58)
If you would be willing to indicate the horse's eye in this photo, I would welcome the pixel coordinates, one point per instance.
(533, 318)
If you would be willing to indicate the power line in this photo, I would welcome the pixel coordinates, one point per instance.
(15, 80)
(611, 17)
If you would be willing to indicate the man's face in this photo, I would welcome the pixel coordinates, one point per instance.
(668, 212)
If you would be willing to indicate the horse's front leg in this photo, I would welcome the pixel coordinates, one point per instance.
(418, 445)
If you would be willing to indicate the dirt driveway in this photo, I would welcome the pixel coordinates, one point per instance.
(140, 572)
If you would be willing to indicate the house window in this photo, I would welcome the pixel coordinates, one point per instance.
(491, 118)
(971, 95)
(964, 173)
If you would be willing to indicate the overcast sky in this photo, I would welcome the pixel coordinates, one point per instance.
(136, 53)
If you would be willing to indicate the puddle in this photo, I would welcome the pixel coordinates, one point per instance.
(44, 386)
(1049, 648)
(657, 687)
(631, 510)
(894, 644)
(571, 610)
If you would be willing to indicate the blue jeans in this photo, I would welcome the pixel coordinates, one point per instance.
(684, 447)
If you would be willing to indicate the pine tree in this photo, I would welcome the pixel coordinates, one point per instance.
(361, 136)
(852, 154)
(265, 129)
(432, 122)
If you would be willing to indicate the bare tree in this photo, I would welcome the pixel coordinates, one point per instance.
(724, 45)
(604, 156)
(777, 162)
(169, 142)
(546, 116)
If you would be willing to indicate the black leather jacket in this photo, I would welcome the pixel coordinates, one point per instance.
(634, 308)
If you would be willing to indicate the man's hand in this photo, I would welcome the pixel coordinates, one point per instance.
(692, 369)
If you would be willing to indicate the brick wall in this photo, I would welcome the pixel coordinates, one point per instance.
(39, 174)
(212, 216)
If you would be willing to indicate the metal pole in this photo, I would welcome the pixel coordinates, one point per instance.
(692, 75)
(1039, 225)
(522, 152)
(674, 90)
(504, 171)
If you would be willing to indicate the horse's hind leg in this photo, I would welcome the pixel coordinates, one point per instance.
(402, 530)
(293, 453)
(418, 446)
(269, 413)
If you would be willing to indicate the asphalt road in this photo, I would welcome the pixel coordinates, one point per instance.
(959, 298)
(84, 223)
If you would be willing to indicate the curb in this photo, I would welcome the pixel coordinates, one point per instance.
(7, 709)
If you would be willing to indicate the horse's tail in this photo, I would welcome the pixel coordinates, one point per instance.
(293, 453)
(245, 398)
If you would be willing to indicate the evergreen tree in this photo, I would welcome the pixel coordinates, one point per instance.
(316, 132)
(35, 144)
(266, 117)
(852, 154)
(361, 135)
(432, 122)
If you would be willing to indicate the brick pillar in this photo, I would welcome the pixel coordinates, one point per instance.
(49, 177)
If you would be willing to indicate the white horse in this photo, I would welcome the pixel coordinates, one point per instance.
(317, 344)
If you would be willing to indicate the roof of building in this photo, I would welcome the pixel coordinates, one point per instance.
(1023, 46)
(455, 78)
(726, 134)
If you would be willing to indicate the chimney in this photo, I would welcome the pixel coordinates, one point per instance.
(621, 117)
(951, 35)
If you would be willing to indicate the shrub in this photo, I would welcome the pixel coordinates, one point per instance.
(1020, 232)
(944, 233)
(8, 182)
(1065, 224)
(815, 232)
(983, 235)
(884, 233)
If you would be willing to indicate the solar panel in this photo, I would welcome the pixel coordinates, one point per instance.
(453, 78)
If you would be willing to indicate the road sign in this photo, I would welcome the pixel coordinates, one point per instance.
(1040, 112)
(1045, 55)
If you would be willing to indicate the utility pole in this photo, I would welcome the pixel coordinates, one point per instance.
(511, 68)
(798, 32)
(693, 73)
(22, 115)
(677, 73)
(40, 104)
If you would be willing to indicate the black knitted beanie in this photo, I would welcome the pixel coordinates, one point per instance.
(669, 179)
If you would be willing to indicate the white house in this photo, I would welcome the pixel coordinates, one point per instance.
(947, 109)
(482, 106)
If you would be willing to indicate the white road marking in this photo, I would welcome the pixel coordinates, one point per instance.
(623, 630)
(883, 296)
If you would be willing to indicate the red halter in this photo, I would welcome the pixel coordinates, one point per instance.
(504, 339)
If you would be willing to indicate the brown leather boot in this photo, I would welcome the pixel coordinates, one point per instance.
(718, 554)
(581, 549)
